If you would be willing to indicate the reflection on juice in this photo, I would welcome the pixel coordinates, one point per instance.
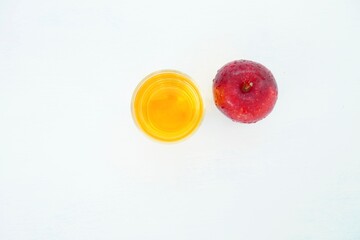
(167, 106)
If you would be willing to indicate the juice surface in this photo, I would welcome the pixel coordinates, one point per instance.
(167, 106)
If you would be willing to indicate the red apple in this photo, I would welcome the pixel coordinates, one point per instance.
(245, 91)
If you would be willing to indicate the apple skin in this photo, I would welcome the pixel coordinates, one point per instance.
(245, 91)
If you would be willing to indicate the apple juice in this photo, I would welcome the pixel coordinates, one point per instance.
(167, 106)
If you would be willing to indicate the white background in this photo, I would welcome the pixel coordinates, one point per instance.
(74, 166)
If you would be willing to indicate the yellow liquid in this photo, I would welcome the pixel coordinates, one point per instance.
(167, 106)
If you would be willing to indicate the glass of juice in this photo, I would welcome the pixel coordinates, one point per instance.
(167, 106)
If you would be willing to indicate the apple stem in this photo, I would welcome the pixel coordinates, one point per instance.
(246, 86)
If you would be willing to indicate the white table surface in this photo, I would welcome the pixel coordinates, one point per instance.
(74, 166)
